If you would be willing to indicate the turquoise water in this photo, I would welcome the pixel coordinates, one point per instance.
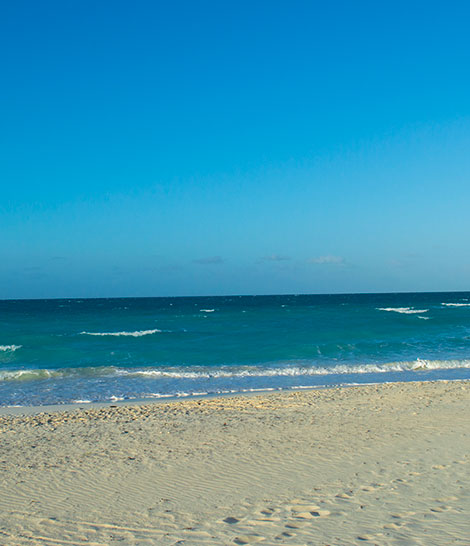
(60, 351)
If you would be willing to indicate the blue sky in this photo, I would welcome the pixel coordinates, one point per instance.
(191, 148)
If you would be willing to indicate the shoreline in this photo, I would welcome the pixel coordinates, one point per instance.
(377, 464)
(77, 406)
(139, 385)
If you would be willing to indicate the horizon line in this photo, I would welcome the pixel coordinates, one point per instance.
(241, 295)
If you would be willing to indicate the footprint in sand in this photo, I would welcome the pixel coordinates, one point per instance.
(262, 521)
(305, 508)
(440, 508)
(344, 496)
(308, 511)
(403, 515)
(303, 515)
(267, 511)
(295, 525)
(231, 521)
(392, 525)
(366, 537)
(248, 539)
(284, 535)
(320, 513)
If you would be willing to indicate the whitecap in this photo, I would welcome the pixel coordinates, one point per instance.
(11, 348)
(206, 310)
(456, 304)
(138, 333)
(403, 310)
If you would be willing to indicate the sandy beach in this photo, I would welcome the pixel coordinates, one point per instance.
(379, 464)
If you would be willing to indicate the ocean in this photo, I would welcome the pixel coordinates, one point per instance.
(91, 350)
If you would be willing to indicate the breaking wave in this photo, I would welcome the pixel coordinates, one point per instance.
(27, 375)
(403, 310)
(225, 372)
(456, 304)
(12, 348)
(138, 333)
(416, 365)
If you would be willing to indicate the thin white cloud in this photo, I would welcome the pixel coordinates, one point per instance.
(406, 260)
(329, 259)
(275, 258)
(168, 268)
(210, 260)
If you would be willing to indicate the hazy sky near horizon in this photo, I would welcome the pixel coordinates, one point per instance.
(192, 148)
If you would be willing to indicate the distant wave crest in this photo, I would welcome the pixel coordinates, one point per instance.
(403, 310)
(138, 333)
(456, 304)
(206, 310)
(11, 348)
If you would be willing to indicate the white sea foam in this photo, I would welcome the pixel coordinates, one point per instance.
(43, 373)
(138, 333)
(403, 310)
(292, 371)
(262, 389)
(12, 348)
(424, 318)
(228, 372)
(25, 375)
(206, 310)
(456, 304)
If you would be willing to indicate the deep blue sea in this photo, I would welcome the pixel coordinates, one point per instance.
(80, 350)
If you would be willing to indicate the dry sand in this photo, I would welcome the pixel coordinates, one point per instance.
(385, 464)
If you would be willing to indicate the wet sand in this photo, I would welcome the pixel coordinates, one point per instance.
(379, 464)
